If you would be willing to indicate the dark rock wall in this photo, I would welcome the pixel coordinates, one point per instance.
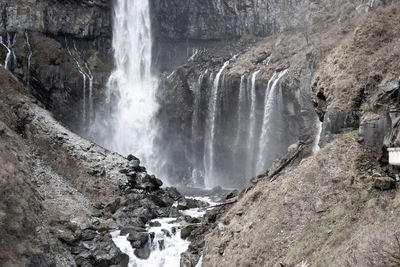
(52, 27)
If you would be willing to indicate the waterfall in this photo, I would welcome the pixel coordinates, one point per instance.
(269, 105)
(252, 126)
(10, 51)
(28, 71)
(196, 172)
(90, 77)
(85, 76)
(316, 146)
(132, 123)
(212, 114)
(241, 104)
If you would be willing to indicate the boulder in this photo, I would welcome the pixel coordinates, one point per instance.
(138, 239)
(142, 253)
(187, 231)
(384, 183)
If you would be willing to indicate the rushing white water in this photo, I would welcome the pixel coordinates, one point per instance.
(252, 125)
(28, 75)
(165, 250)
(316, 146)
(212, 114)
(132, 81)
(269, 104)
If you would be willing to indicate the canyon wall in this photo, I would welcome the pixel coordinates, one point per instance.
(61, 50)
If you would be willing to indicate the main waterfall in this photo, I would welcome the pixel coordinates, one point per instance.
(133, 82)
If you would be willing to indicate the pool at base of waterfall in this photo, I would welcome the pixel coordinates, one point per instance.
(165, 244)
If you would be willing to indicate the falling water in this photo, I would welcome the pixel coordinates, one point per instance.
(252, 125)
(28, 75)
(133, 83)
(90, 77)
(196, 172)
(84, 76)
(212, 112)
(241, 104)
(9, 50)
(269, 104)
(316, 146)
(11, 44)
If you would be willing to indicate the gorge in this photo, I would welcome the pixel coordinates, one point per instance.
(199, 133)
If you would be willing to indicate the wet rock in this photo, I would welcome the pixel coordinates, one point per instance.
(161, 244)
(155, 224)
(384, 183)
(131, 157)
(151, 182)
(187, 231)
(134, 164)
(106, 253)
(173, 193)
(142, 253)
(138, 239)
(190, 219)
(162, 200)
(232, 194)
(173, 230)
(129, 230)
(188, 203)
(166, 232)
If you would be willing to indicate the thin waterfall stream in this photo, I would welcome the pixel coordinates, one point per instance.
(28, 75)
(210, 160)
(270, 102)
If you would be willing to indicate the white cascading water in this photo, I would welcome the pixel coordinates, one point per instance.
(252, 126)
(132, 81)
(269, 104)
(28, 75)
(9, 47)
(241, 104)
(197, 173)
(316, 146)
(210, 180)
(84, 76)
(165, 249)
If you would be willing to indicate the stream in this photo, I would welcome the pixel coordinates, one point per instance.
(166, 245)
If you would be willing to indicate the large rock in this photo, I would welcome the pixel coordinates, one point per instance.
(384, 183)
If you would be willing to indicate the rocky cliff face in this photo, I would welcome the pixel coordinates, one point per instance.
(357, 85)
(190, 24)
(331, 208)
(61, 50)
(187, 92)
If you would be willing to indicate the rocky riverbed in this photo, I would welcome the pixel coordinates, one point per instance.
(66, 221)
